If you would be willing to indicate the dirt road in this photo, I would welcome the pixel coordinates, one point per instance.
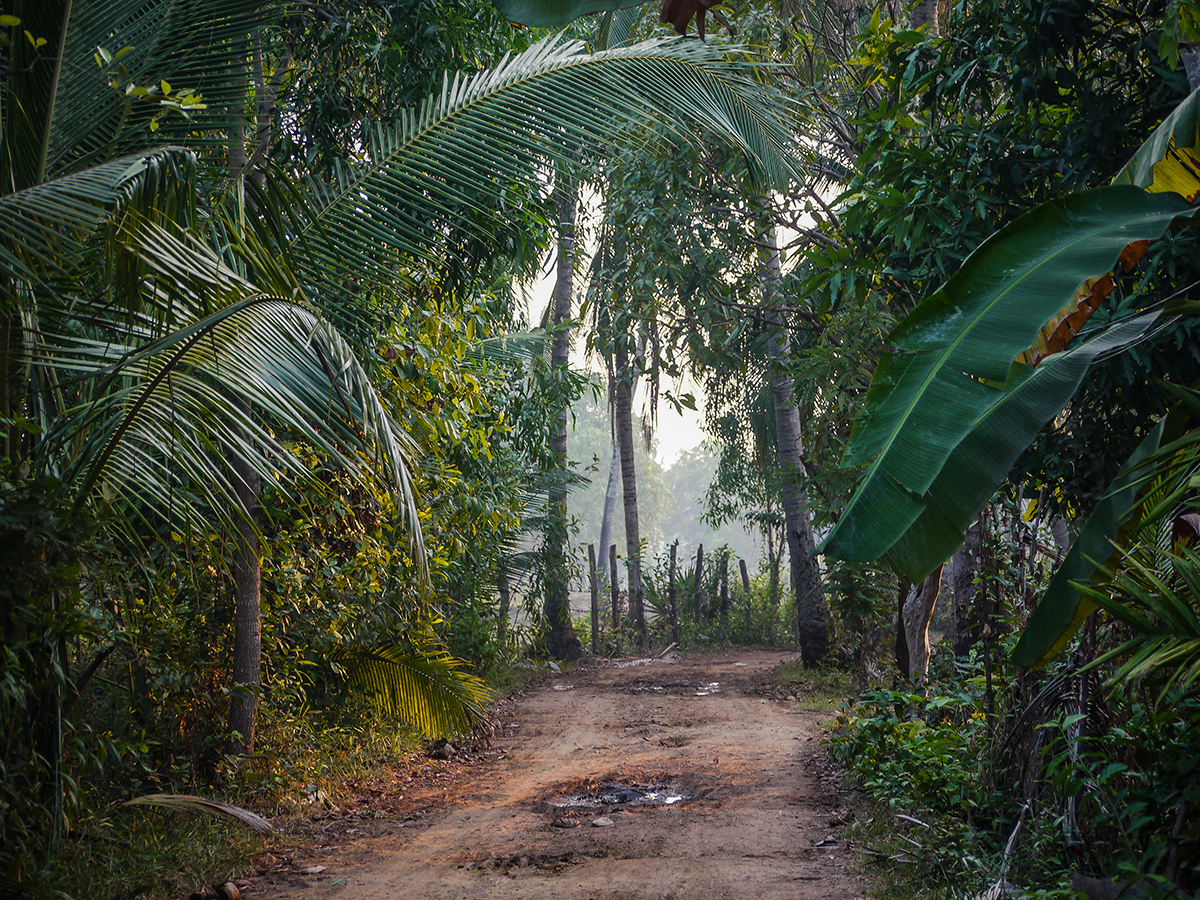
(671, 779)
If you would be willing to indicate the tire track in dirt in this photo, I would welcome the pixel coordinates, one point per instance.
(756, 820)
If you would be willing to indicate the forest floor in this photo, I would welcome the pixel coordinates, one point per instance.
(693, 776)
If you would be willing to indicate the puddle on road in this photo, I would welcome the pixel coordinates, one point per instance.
(682, 687)
(614, 795)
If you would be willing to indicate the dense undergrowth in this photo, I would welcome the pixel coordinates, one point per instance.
(1045, 777)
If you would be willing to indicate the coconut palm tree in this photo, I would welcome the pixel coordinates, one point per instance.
(164, 323)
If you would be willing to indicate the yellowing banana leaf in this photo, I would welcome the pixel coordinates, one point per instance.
(1152, 166)
(1166, 162)
(985, 456)
(954, 358)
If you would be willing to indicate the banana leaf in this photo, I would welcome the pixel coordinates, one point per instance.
(954, 362)
(553, 13)
(1033, 396)
(1063, 607)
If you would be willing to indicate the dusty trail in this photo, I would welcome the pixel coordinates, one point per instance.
(757, 820)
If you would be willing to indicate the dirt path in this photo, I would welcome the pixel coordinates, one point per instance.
(757, 819)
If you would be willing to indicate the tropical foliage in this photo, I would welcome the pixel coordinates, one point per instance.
(283, 449)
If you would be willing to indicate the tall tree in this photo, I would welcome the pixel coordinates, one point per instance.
(561, 638)
(805, 576)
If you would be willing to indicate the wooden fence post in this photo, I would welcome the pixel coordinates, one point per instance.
(698, 593)
(616, 595)
(671, 595)
(724, 576)
(595, 599)
(745, 591)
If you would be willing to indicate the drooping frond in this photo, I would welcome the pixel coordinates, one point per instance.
(424, 686)
(193, 804)
(452, 165)
(170, 405)
(45, 230)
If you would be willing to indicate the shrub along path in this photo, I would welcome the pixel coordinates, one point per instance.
(616, 743)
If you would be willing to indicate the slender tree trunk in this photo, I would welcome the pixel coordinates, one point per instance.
(247, 570)
(560, 638)
(772, 564)
(502, 587)
(811, 610)
(901, 640)
(610, 505)
(917, 614)
(961, 572)
(247, 640)
(624, 410)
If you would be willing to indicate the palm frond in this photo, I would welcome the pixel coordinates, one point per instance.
(1162, 613)
(45, 230)
(168, 411)
(193, 804)
(198, 45)
(451, 165)
(424, 686)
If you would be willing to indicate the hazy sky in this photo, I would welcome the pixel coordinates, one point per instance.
(674, 432)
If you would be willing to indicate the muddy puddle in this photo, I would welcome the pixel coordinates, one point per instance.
(617, 795)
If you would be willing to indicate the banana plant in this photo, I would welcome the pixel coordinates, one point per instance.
(983, 364)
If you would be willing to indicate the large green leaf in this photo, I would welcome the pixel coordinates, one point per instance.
(953, 363)
(1157, 477)
(553, 13)
(1031, 398)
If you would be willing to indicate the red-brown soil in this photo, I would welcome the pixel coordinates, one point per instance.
(762, 819)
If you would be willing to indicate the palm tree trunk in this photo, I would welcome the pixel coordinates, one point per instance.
(811, 610)
(247, 566)
(247, 639)
(633, 557)
(560, 636)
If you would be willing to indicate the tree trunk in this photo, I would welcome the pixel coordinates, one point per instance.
(560, 637)
(247, 566)
(247, 636)
(961, 572)
(811, 611)
(925, 12)
(610, 504)
(917, 613)
(502, 587)
(901, 641)
(633, 556)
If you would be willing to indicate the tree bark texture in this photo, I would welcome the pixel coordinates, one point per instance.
(560, 637)
(811, 610)
(610, 505)
(505, 592)
(247, 636)
(960, 574)
(633, 538)
(917, 614)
